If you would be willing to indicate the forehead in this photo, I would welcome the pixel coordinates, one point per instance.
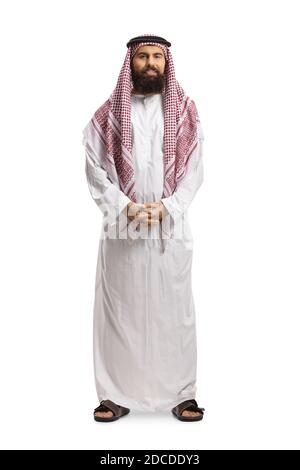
(150, 50)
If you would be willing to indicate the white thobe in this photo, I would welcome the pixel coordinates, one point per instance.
(145, 351)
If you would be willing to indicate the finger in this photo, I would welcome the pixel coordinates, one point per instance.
(136, 209)
(153, 221)
(141, 216)
(148, 221)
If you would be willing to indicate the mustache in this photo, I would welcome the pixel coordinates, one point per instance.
(151, 68)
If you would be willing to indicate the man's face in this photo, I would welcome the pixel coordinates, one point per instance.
(148, 67)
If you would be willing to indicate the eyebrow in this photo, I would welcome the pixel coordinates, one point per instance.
(147, 53)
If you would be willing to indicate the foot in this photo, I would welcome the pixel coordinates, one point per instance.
(191, 413)
(188, 410)
(104, 414)
(109, 411)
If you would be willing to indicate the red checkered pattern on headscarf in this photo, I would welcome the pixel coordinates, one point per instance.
(111, 123)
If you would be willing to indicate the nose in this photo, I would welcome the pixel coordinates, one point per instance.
(150, 62)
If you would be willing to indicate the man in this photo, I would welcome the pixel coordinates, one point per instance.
(144, 167)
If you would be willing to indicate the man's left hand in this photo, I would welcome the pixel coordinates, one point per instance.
(156, 212)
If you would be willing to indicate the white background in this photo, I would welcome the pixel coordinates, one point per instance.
(239, 61)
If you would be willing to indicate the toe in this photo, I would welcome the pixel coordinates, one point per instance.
(104, 414)
(189, 413)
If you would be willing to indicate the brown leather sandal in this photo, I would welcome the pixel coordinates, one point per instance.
(117, 410)
(189, 405)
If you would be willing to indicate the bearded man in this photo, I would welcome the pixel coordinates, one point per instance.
(144, 165)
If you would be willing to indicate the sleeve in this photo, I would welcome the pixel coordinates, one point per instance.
(179, 201)
(108, 197)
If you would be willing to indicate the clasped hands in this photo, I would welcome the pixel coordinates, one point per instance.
(148, 213)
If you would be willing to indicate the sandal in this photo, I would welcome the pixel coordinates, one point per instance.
(189, 405)
(117, 410)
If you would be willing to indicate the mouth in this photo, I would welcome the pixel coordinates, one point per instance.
(151, 73)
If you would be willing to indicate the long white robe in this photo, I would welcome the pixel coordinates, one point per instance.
(145, 351)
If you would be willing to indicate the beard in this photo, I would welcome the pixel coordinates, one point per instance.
(144, 83)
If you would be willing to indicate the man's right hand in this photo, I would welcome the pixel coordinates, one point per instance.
(138, 212)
